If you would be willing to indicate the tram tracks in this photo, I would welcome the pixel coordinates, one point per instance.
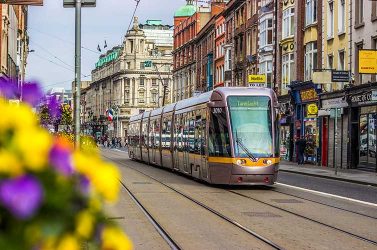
(253, 233)
(306, 218)
(324, 204)
(162, 232)
(167, 237)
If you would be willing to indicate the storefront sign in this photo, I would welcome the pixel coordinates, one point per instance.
(374, 95)
(334, 103)
(367, 61)
(311, 110)
(257, 78)
(308, 95)
(364, 98)
(340, 76)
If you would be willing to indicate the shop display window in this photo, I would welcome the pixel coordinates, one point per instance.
(311, 139)
(367, 129)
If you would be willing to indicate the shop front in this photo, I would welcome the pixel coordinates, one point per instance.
(286, 127)
(364, 128)
(306, 123)
(334, 120)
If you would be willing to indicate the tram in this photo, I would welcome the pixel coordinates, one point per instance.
(225, 136)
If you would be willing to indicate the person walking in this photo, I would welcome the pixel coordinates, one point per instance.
(301, 145)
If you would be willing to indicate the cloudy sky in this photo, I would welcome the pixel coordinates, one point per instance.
(51, 31)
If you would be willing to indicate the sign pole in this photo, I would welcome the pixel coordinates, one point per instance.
(77, 71)
(335, 142)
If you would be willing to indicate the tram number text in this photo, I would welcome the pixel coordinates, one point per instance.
(217, 110)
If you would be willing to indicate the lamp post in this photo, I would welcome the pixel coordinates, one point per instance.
(77, 4)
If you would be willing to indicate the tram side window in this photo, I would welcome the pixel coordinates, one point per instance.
(191, 136)
(179, 132)
(198, 134)
(219, 143)
(157, 134)
(151, 134)
(168, 133)
(186, 131)
(144, 134)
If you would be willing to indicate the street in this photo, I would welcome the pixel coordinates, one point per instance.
(195, 215)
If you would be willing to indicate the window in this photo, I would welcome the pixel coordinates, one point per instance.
(310, 11)
(341, 16)
(359, 12)
(288, 22)
(310, 60)
(154, 82)
(265, 68)
(154, 97)
(374, 10)
(330, 61)
(266, 32)
(219, 142)
(254, 41)
(330, 20)
(341, 60)
(288, 69)
(142, 66)
(228, 62)
(141, 97)
(250, 118)
(358, 77)
(142, 82)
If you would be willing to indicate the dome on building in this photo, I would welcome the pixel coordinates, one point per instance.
(188, 10)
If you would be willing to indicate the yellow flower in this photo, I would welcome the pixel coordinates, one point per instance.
(69, 242)
(105, 179)
(103, 176)
(16, 117)
(114, 239)
(84, 224)
(9, 164)
(33, 145)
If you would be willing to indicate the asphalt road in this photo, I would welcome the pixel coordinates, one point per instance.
(341, 188)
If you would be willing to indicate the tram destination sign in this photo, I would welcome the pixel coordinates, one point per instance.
(340, 76)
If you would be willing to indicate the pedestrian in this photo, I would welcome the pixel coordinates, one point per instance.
(301, 145)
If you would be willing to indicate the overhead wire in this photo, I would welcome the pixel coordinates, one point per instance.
(132, 18)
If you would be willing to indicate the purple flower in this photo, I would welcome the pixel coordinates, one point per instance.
(61, 160)
(21, 196)
(8, 89)
(31, 93)
(84, 185)
(54, 107)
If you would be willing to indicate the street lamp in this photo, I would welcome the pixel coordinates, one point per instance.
(77, 4)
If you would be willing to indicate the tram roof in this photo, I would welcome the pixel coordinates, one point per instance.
(146, 114)
(136, 117)
(203, 98)
(169, 108)
(156, 112)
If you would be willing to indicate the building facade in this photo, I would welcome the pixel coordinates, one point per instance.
(131, 78)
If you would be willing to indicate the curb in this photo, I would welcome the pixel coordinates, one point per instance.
(331, 177)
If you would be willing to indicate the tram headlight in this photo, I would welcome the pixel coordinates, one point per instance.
(241, 162)
(267, 162)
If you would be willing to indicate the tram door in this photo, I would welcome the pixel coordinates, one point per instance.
(204, 146)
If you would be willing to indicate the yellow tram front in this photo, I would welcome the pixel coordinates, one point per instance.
(243, 145)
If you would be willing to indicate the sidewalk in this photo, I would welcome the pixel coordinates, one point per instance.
(348, 175)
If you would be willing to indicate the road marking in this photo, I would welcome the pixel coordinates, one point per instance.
(115, 149)
(328, 195)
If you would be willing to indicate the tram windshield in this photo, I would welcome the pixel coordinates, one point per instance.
(251, 126)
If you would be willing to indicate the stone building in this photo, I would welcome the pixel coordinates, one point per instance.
(131, 78)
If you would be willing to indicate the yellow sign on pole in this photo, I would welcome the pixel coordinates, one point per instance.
(257, 78)
(368, 61)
